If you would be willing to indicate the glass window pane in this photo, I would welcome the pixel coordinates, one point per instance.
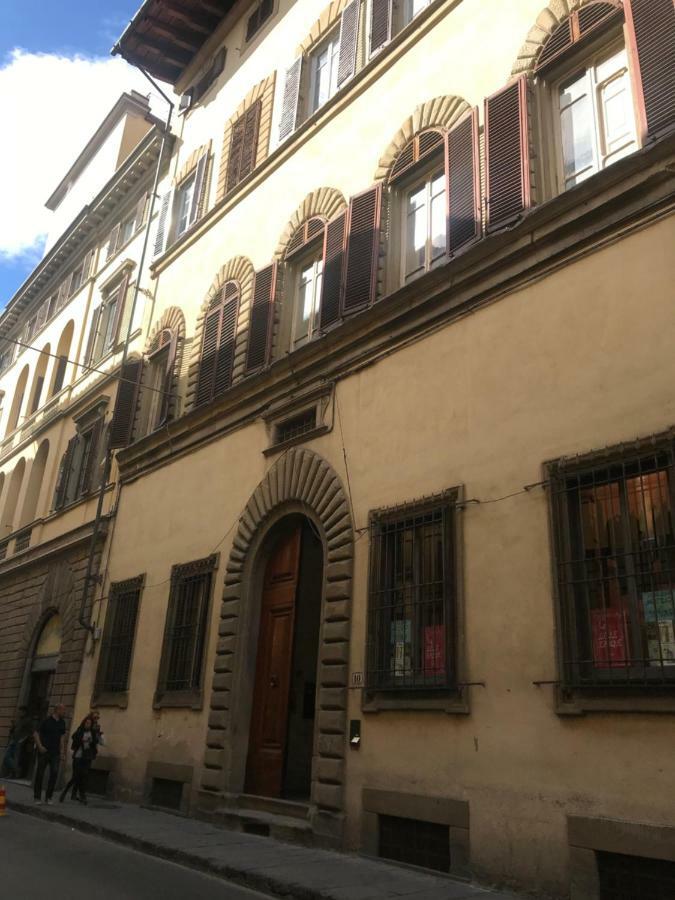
(438, 217)
(416, 230)
(578, 131)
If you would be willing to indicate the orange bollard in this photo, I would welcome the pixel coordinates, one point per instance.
(3, 801)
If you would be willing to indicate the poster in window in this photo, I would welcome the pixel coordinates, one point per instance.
(658, 609)
(401, 646)
(434, 650)
(610, 638)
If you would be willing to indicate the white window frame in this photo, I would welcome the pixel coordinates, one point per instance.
(331, 43)
(183, 200)
(412, 185)
(313, 259)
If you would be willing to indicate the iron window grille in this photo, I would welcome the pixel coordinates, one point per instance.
(412, 597)
(614, 547)
(415, 842)
(186, 627)
(635, 877)
(22, 541)
(118, 636)
(296, 426)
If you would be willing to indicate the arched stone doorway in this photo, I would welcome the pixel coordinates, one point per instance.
(301, 492)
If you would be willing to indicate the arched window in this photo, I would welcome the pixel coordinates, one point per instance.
(218, 344)
(158, 382)
(303, 279)
(17, 402)
(13, 490)
(39, 379)
(62, 354)
(35, 479)
(583, 72)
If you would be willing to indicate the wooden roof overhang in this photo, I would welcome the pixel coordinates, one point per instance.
(165, 35)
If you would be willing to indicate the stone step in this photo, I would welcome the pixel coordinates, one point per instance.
(275, 806)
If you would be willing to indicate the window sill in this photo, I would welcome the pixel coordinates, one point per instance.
(119, 699)
(300, 439)
(579, 702)
(447, 701)
(178, 700)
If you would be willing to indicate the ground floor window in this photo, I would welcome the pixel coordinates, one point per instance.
(635, 877)
(118, 636)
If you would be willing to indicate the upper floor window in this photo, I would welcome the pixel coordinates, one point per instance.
(261, 13)
(216, 362)
(158, 379)
(614, 544)
(106, 321)
(596, 116)
(184, 196)
(424, 220)
(80, 464)
(324, 63)
(304, 267)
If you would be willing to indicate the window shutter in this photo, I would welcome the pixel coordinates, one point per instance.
(162, 223)
(64, 473)
(463, 180)
(112, 241)
(380, 24)
(249, 148)
(91, 340)
(141, 209)
(87, 265)
(234, 158)
(167, 383)
(62, 296)
(349, 29)
(122, 424)
(207, 360)
(228, 336)
(333, 262)
(119, 309)
(260, 327)
(363, 246)
(198, 194)
(507, 154)
(92, 458)
(289, 105)
(651, 32)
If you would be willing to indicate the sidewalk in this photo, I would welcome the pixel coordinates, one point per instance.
(263, 864)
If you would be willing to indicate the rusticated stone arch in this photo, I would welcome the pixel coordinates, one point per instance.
(441, 112)
(239, 269)
(300, 481)
(328, 18)
(173, 319)
(547, 21)
(324, 203)
(191, 163)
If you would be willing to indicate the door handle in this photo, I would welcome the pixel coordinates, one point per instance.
(274, 681)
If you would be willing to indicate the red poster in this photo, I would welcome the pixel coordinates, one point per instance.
(610, 638)
(434, 650)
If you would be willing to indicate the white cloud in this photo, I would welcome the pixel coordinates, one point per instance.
(51, 106)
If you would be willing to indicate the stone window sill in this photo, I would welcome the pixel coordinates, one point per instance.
(450, 701)
(179, 700)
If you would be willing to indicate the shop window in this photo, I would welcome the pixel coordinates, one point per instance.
(118, 636)
(158, 382)
(413, 582)
(106, 320)
(615, 556)
(166, 793)
(423, 225)
(184, 646)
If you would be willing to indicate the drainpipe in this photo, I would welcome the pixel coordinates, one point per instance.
(89, 575)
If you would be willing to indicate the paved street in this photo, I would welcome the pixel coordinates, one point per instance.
(42, 860)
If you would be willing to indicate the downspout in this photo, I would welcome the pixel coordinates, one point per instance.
(89, 576)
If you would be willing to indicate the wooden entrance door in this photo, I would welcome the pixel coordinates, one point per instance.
(269, 716)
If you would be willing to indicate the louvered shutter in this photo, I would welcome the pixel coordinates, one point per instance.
(463, 180)
(62, 295)
(141, 209)
(249, 147)
(112, 241)
(363, 245)
(349, 29)
(91, 459)
(167, 382)
(162, 223)
(651, 31)
(207, 360)
(234, 158)
(198, 194)
(65, 467)
(122, 423)
(507, 154)
(87, 265)
(93, 331)
(380, 24)
(333, 263)
(226, 342)
(289, 104)
(259, 334)
(119, 309)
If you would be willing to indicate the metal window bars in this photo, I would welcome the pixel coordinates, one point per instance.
(187, 632)
(118, 639)
(615, 558)
(411, 604)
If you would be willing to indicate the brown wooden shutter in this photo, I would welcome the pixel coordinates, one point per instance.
(249, 149)
(289, 105)
(65, 467)
(112, 241)
(87, 265)
(162, 223)
(260, 327)
(227, 340)
(363, 246)
(349, 29)
(507, 154)
(234, 158)
(380, 24)
(122, 423)
(651, 37)
(91, 459)
(93, 331)
(167, 383)
(207, 359)
(463, 182)
(197, 204)
(333, 264)
(119, 309)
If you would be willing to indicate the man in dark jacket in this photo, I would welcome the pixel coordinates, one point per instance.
(50, 742)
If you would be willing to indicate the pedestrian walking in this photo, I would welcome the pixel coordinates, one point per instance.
(85, 747)
(20, 731)
(49, 740)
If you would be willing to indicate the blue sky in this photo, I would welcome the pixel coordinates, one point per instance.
(51, 51)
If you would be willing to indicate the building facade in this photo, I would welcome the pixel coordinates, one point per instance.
(392, 566)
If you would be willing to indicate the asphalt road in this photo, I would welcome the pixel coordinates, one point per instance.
(43, 860)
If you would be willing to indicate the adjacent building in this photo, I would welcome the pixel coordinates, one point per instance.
(393, 546)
